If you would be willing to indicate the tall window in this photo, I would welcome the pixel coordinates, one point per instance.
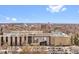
(6, 39)
(15, 41)
(11, 41)
(2, 41)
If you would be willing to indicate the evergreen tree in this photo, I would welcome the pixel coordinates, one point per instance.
(72, 40)
(76, 40)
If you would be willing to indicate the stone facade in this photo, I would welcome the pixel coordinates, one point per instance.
(33, 38)
(60, 41)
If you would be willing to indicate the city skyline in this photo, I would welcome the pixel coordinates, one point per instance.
(39, 13)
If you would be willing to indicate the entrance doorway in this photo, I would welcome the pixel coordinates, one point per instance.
(29, 39)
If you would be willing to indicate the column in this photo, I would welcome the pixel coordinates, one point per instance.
(22, 40)
(18, 41)
(9, 38)
(4, 39)
(26, 40)
(32, 39)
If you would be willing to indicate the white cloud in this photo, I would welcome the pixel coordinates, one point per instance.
(13, 19)
(10, 19)
(63, 9)
(56, 8)
(7, 18)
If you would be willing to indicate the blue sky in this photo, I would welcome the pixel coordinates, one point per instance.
(39, 13)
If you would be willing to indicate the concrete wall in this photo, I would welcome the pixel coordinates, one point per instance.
(51, 40)
(60, 41)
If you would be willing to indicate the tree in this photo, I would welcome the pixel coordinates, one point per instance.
(76, 40)
(72, 40)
